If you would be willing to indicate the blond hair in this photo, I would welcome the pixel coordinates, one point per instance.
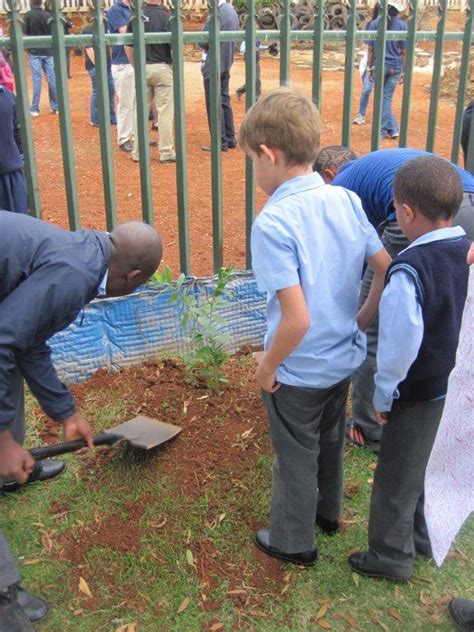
(284, 120)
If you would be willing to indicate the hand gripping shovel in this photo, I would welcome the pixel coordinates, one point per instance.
(141, 432)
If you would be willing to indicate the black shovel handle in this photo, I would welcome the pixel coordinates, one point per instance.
(43, 452)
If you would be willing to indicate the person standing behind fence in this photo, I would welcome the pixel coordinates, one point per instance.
(37, 21)
(367, 83)
(466, 130)
(118, 17)
(89, 59)
(13, 196)
(228, 21)
(394, 61)
(159, 79)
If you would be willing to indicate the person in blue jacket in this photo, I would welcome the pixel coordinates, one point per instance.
(371, 177)
(13, 195)
(48, 276)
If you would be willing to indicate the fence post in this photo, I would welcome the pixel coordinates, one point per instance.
(408, 81)
(177, 45)
(103, 99)
(379, 74)
(436, 82)
(67, 146)
(349, 73)
(318, 48)
(250, 96)
(139, 55)
(285, 43)
(216, 133)
(23, 104)
(463, 78)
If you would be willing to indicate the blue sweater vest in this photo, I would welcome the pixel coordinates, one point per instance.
(440, 273)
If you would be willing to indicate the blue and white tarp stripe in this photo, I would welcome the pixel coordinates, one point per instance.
(115, 333)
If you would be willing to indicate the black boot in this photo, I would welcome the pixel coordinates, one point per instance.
(12, 617)
(43, 471)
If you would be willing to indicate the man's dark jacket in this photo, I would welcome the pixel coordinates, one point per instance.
(47, 276)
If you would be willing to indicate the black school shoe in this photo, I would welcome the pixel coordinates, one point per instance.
(12, 617)
(43, 471)
(461, 612)
(34, 608)
(359, 564)
(307, 558)
(328, 527)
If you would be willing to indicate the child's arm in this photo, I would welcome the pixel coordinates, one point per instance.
(378, 263)
(294, 323)
(400, 334)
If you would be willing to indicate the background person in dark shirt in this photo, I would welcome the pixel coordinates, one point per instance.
(38, 22)
(159, 79)
(466, 129)
(89, 59)
(13, 196)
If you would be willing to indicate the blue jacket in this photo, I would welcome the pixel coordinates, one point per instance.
(47, 276)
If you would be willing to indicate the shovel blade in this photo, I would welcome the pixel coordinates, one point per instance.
(144, 432)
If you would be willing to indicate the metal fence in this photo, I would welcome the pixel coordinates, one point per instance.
(99, 40)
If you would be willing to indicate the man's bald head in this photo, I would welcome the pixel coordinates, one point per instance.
(136, 254)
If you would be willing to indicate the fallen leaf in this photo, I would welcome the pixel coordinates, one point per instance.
(320, 613)
(84, 587)
(324, 624)
(216, 626)
(221, 518)
(422, 580)
(190, 557)
(247, 433)
(395, 614)
(356, 579)
(372, 467)
(78, 612)
(158, 525)
(396, 591)
(350, 619)
(287, 577)
(145, 597)
(375, 618)
(237, 592)
(284, 589)
(33, 561)
(183, 606)
(188, 537)
(457, 554)
(370, 481)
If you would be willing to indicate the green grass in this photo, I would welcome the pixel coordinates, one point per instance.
(148, 583)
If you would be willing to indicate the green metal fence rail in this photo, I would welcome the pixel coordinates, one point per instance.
(318, 37)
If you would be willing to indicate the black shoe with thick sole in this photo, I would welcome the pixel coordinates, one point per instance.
(43, 471)
(126, 146)
(12, 617)
(35, 608)
(329, 527)
(307, 558)
(209, 148)
(358, 563)
(461, 612)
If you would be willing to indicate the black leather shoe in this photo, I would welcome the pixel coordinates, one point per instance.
(329, 527)
(12, 617)
(358, 562)
(209, 148)
(35, 608)
(44, 470)
(307, 558)
(461, 612)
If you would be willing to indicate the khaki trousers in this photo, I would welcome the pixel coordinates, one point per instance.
(124, 81)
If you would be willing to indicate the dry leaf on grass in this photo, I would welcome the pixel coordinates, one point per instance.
(376, 619)
(190, 558)
(183, 606)
(216, 626)
(356, 579)
(324, 624)
(33, 561)
(395, 614)
(128, 627)
(349, 619)
(84, 587)
(320, 613)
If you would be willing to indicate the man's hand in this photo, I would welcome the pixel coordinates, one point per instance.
(15, 461)
(381, 417)
(75, 427)
(266, 380)
(470, 256)
(402, 78)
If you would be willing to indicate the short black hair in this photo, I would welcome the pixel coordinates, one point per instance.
(332, 156)
(430, 185)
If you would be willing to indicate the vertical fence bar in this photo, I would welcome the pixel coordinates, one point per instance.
(470, 149)
(379, 74)
(409, 64)
(318, 48)
(103, 100)
(23, 104)
(285, 43)
(139, 55)
(177, 45)
(67, 145)
(463, 77)
(436, 82)
(250, 96)
(349, 72)
(215, 112)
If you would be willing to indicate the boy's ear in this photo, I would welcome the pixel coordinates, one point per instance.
(408, 212)
(269, 153)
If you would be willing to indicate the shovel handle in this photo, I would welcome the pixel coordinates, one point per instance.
(57, 449)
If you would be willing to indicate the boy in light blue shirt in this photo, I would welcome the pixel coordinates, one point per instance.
(309, 245)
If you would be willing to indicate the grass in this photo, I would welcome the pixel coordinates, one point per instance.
(148, 583)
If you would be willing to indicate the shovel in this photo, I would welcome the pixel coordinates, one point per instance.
(141, 432)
